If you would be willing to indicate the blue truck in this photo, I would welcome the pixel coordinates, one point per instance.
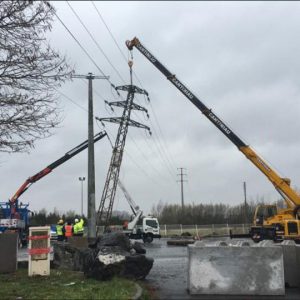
(15, 215)
(19, 223)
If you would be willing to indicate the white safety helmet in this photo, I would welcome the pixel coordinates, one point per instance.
(76, 220)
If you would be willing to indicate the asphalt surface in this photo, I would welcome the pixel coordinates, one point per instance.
(168, 277)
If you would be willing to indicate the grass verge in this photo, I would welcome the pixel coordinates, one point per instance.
(63, 285)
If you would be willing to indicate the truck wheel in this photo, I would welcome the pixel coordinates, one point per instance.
(148, 238)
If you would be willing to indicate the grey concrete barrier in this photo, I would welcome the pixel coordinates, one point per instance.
(243, 244)
(8, 252)
(291, 260)
(240, 269)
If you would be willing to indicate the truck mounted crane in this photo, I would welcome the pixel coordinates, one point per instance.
(269, 221)
(15, 216)
(140, 227)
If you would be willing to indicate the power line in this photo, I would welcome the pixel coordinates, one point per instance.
(109, 135)
(142, 153)
(85, 51)
(116, 43)
(109, 139)
(171, 160)
(149, 145)
(163, 138)
(162, 153)
(94, 40)
(68, 98)
(82, 48)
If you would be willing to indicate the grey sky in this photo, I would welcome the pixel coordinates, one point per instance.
(240, 58)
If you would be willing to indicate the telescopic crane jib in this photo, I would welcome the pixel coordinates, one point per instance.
(283, 223)
(15, 217)
(48, 169)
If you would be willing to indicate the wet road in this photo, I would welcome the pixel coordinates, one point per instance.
(169, 273)
(168, 276)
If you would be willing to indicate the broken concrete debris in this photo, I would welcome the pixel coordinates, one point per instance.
(112, 254)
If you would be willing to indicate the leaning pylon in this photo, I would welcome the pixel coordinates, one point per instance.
(109, 191)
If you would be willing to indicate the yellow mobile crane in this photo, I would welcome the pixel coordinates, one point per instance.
(269, 221)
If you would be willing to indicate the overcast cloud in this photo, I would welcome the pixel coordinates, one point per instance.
(240, 58)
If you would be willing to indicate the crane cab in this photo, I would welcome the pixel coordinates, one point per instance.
(274, 224)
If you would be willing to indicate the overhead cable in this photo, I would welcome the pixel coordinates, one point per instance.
(94, 40)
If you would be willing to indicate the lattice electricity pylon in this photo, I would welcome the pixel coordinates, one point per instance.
(109, 191)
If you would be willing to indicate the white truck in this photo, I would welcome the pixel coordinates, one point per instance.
(140, 227)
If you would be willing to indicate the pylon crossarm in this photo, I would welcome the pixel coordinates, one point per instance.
(138, 107)
(117, 120)
(117, 103)
(133, 89)
(137, 124)
(124, 103)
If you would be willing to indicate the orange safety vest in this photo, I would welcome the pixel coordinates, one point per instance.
(68, 230)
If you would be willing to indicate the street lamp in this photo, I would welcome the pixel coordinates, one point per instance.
(81, 179)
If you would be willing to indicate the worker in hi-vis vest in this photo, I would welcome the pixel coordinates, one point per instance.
(59, 230)
(68, 229)
(78, 227)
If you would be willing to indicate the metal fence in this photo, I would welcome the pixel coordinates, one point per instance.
(195, 230)
(203, 230)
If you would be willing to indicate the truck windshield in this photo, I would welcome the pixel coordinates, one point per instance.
(151, 223)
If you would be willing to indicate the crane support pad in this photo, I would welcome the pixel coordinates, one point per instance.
(235, 269)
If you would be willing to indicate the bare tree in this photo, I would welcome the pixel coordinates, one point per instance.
(30, 72)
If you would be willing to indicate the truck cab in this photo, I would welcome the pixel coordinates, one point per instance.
(19, 223)
(147, 229)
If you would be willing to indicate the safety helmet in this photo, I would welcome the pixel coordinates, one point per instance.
(60, 222)
(76, 220)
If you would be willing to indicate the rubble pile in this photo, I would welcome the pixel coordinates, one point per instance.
(112, 254)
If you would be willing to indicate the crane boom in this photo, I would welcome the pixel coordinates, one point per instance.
(134, 207)
(54, 165)
(282, 185)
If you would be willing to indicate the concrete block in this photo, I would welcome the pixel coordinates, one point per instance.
(243, 244)
(238, 269)
(8, 252)
(298, 263)
(291, 261)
